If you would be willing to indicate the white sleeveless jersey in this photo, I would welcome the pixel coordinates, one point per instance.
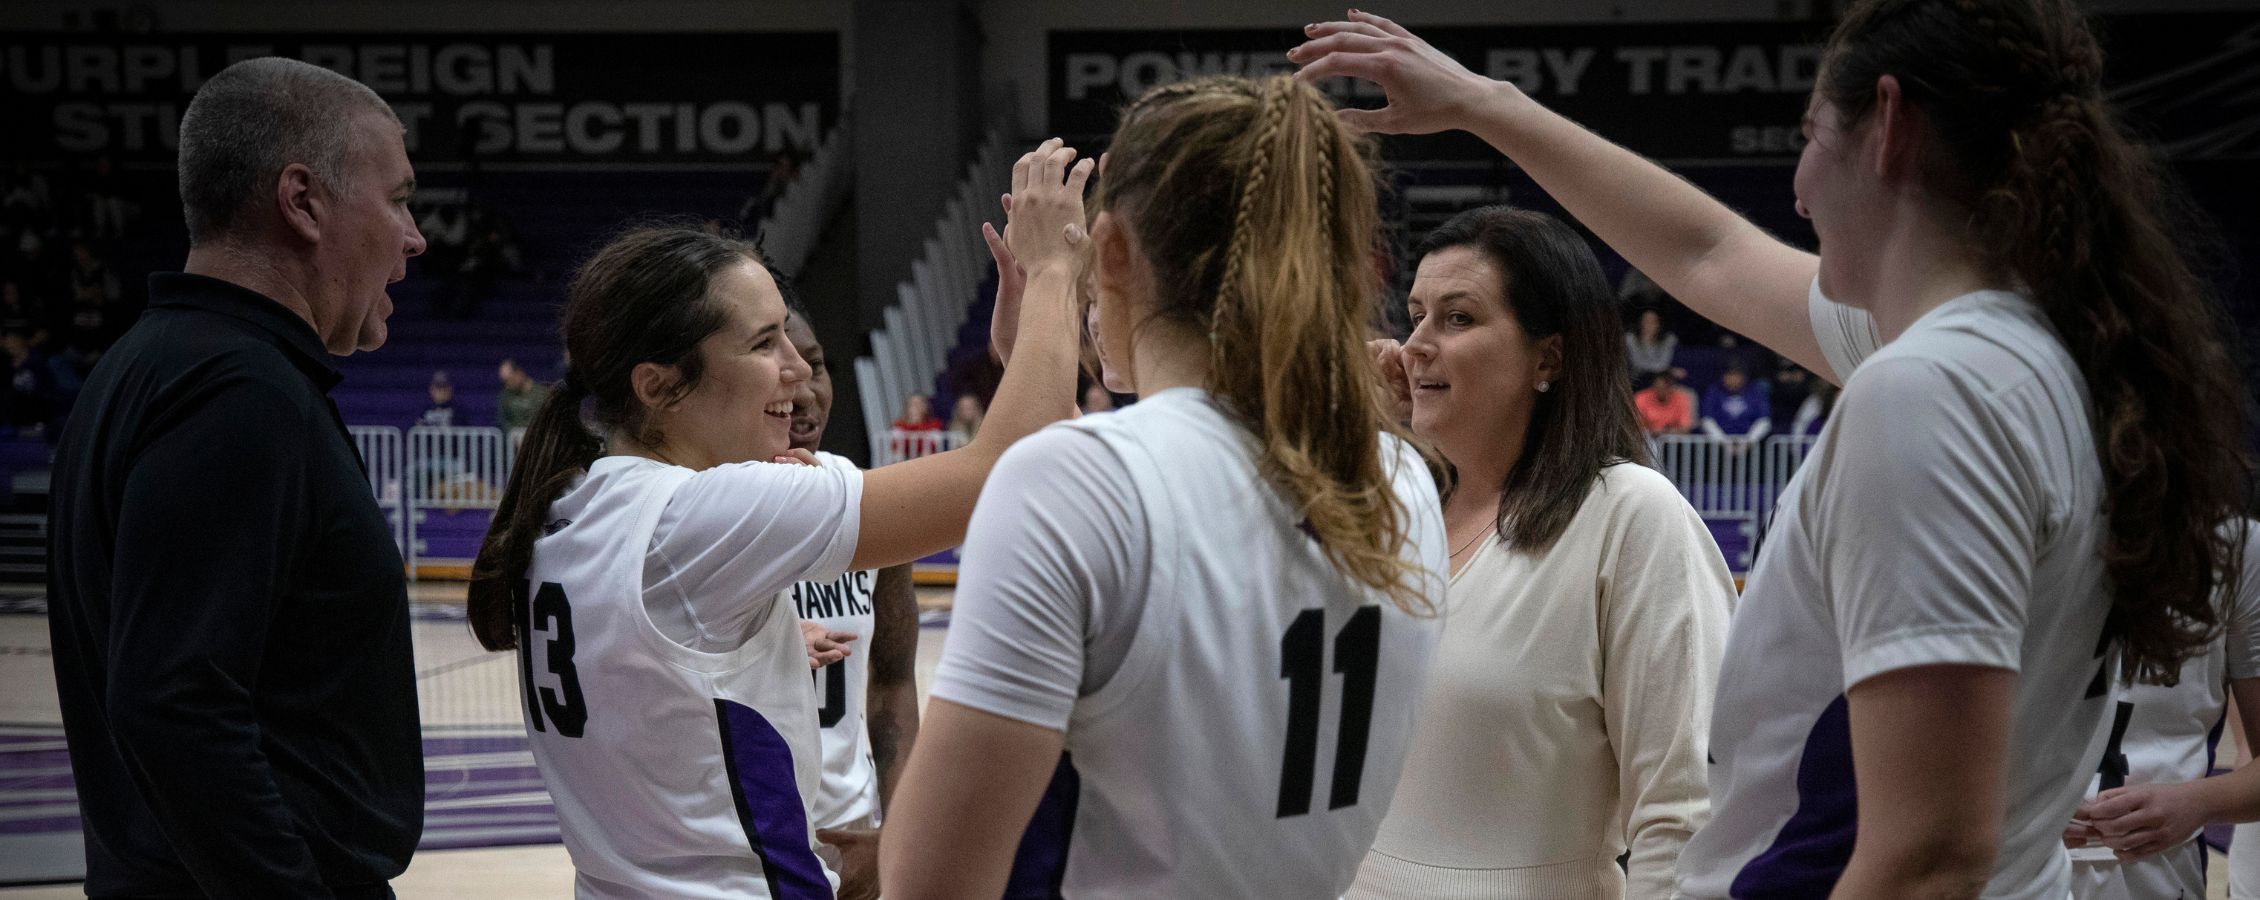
(1250, 739)
(851, 781)
(676, 773)
(850, 791)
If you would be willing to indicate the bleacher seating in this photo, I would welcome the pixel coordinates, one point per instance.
(922, 324)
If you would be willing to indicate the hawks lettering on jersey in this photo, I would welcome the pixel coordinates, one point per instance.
(851, 782)
(847, 595)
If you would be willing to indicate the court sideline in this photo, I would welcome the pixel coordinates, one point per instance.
(481, 794)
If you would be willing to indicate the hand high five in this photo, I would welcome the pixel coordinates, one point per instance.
(1044, 219)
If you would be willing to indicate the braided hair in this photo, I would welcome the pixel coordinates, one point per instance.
(1256, 213)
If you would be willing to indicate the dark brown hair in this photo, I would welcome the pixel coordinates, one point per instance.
(2065, 203)
(1585, 422)
(1256, 211)
(643, 298)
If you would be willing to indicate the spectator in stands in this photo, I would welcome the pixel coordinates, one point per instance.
(17, 314)
(492, 254)
(782, 171)
(1096, 399)
(28, 406)
(37, 270)
(84, 327)
(1737, 408)
(1664, 407)
(92, 281)
(228, 609)
(918, 414)
(1791, 385)
(1649, 349)
(108, 213)
(447, 231)
(441, 414)
(917, 433)
(26, 203)
(965, 416)
(520, 398)
(1814, 412)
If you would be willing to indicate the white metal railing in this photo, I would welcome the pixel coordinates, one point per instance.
(1731, 480)
(466, 468)
(921, 325)
(1784, 454)
(789, 231)
(900, 445)
(453, 469)
(386, 461)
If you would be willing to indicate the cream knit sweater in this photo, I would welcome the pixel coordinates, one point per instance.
(1568, 711)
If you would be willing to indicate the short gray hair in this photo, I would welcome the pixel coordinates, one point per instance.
(251, 121)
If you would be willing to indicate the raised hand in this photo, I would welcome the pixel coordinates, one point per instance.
(1428, 91)
(1389, 356)
(1044, 224)
(1004, 321)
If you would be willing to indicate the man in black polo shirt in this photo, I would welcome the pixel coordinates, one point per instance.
(229, 612)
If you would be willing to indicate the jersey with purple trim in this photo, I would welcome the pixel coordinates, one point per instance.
(1236, 710)
(1949, 514)
(850, 793)
(680, 772)
(2171, 735)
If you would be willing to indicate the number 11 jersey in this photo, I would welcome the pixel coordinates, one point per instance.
(1237, 710)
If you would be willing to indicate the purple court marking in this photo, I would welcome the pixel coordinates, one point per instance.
(479, 791)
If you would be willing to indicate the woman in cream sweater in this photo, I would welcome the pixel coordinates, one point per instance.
(1568, 710)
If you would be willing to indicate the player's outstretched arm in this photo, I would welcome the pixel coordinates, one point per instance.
(964, 803)
(920, 507)
(1704, 254)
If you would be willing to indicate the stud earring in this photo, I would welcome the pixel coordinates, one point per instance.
(1543, 385)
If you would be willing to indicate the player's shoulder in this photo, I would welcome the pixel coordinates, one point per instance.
(1409, 467)
(1982, 344)
(827, 460)
(1063, 459)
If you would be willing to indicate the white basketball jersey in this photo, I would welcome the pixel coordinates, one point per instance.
(676, 773)
(2008, 575)
(2156, 735)
(851, 781)
(1250, 741)
(2170, 735)
(2244, 862)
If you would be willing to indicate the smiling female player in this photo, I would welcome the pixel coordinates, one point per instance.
(681, 767)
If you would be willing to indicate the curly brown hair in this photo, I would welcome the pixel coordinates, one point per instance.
(2079, 215)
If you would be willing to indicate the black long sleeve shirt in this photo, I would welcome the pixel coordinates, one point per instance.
(229, 615)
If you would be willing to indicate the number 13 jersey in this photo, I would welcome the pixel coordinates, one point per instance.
(681, 772)
(1237, 711)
